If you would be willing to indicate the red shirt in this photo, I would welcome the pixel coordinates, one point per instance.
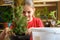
(36, 22)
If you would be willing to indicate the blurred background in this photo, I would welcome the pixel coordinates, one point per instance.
(47, 10)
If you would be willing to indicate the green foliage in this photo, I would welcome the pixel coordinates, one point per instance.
(6, 13)
(37, 13)
(20, 21)
(52, 14)
(58, 22)
(44, 13)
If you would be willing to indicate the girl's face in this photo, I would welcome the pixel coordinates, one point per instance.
(28, 12)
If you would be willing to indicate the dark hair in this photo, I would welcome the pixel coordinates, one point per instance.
(29, 2)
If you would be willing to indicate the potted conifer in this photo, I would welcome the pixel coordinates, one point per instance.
(20, 25)
(20, 21)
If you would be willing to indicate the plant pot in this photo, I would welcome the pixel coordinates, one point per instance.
(20, 37)
(47, 24)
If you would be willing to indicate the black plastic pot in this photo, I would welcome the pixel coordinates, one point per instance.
(47, 24)
(20, 37)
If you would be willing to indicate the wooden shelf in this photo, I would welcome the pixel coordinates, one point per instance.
(1, 30)
(6, 2)
(41, 5)
(1, 23)
(6, 5)
(46, 0)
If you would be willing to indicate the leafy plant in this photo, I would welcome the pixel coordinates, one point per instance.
(46, 12)
(42, 13)
(6, 13)
(58, 22)
(20, 21)
(37, 13)
(52, 14)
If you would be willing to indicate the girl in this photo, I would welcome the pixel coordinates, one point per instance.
(33, 22)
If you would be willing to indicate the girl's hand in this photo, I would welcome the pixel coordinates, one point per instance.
(5, 32)
(29, 31)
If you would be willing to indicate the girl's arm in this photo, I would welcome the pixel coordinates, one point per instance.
(2, 35)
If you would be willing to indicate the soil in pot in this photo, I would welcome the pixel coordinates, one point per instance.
(20, 37)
